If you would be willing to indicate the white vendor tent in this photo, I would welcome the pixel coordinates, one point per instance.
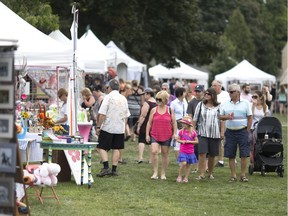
(244, 72)
(34, 46)
(183, 72)
(92, 53)
(60, 37)
(127, 67)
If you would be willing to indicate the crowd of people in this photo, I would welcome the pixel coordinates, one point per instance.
(200, 125)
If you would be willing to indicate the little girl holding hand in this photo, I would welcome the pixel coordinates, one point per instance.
(187, 137)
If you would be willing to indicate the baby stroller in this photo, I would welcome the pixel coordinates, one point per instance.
(266, 153)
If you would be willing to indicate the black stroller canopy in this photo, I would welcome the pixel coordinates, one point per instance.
(271, 126)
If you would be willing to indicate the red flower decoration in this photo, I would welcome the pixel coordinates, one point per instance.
(75, 155)
(23, 96)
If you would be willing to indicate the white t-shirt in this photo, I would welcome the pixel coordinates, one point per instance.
(223, 97)
(62, 113)
(258, 114)
(115, 108)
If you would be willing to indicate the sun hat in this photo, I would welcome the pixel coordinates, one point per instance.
(187, 120)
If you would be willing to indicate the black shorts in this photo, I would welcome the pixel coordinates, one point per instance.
(142, 139)
(109, 141)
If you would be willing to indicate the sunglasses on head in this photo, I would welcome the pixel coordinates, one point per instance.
(255, 96)
(231, 92)
(158, 99)
(207, 93)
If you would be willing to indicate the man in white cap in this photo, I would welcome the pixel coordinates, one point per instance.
(222, 97)
(238, 120)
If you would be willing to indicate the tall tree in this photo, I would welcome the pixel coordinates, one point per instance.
(36, 13)
(240, 35)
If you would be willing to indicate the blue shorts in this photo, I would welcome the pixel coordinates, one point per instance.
(233, 138)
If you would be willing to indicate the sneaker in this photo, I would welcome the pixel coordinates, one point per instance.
(219, 164)
(114, 173)
(122, 161)
(104, 172)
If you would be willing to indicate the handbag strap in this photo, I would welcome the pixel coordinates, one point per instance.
(199, 112)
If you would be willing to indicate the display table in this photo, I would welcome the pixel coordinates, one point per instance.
(73, 146)
(30, 150)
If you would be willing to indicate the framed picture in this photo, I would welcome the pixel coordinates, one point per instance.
(6, 69)
(6, 125)
(7, 191)
(8, 157)
(6, 96)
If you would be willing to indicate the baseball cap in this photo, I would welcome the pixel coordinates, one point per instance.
(199, 88)
(147, 90)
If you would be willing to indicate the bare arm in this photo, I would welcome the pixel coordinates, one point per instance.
(149, 124)
(62, 120)
(174, 123)
(144, 112)
(249, 123)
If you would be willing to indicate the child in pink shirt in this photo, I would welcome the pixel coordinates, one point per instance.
(187, 137)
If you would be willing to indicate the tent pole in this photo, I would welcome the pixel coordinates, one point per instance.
(74, 80)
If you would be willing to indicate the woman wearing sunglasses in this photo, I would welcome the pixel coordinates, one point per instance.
(161, 129)
(259, 108)
(206, 117)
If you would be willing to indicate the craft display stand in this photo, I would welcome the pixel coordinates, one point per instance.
(11, 171)
(73, 146)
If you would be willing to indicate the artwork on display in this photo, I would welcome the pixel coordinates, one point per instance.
(6, 125)
(6, 96)
(7, 191)
(7, 157)
(6, 69)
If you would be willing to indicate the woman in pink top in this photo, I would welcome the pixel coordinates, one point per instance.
(187, 137)
(161, 128)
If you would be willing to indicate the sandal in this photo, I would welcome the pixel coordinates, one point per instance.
(199, 178)
(163, 178)
(185, 180)
(195, 171)
(179, 180)
(211, 177)
(154, 177)
(244, 179)
(232, 179)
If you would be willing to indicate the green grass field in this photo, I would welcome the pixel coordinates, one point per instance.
(133, 193)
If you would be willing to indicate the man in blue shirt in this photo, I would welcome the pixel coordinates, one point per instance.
(238, 116)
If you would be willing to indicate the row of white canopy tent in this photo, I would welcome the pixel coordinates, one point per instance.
(95, 57)
(184, 71)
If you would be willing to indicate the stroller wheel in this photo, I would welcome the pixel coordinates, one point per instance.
(280, 171)
(263, 170)
(251, 169)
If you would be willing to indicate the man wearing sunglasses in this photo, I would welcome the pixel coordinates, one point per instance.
(238, 119)
(222, 97)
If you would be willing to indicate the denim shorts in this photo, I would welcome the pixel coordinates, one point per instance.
(235, 138)
(165, 143)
